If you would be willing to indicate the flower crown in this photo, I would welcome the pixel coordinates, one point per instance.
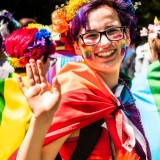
(62, 15)
(153, 30)
(42, 43)
(66, 12)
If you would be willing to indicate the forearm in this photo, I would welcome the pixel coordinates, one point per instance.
(31, 147)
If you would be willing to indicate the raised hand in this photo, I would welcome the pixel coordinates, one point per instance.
(42, 97)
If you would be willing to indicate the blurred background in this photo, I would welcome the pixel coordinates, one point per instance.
(41, 10)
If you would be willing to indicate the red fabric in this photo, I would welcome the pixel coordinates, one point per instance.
(14, 155)
(102, 150)
(84, 100)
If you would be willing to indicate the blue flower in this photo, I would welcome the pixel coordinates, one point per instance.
(42, 33)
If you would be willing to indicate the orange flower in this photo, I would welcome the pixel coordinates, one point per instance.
(59, 23)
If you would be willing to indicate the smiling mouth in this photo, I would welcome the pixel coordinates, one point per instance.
(106, 54)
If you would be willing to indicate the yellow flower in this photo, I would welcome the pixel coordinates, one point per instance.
(17, 63)
(34, 25)
(73, 7)
(39, 26)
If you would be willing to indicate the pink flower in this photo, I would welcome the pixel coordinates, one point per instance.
(143, 32)
(151, 27)
(152, 35)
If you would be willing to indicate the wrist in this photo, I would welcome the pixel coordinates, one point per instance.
(41, 121)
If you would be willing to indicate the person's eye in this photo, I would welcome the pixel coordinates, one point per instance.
(113, 31)
(91, 36)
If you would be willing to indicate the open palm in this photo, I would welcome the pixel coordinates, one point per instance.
(42, 97)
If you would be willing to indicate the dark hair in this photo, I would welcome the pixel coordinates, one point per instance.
(124, 9)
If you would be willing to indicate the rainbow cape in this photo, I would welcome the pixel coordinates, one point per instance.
(15, 115)
(146, 90)
(86, 99)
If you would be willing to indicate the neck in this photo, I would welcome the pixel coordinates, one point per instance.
(111, 79)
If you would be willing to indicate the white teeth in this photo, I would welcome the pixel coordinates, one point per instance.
(104, 54)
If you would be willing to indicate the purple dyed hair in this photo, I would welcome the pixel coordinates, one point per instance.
(124, 9)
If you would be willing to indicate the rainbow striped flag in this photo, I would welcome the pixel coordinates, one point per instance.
(86, 99)
(146, 91)
(15, 116)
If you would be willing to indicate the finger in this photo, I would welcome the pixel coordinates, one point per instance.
(21, 85)
(30, 77)
(35, 71)
(56, 85)
(41, 71)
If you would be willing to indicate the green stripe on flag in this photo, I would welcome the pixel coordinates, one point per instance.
(2, 101)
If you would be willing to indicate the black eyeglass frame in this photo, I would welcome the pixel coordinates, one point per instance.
(104, 33)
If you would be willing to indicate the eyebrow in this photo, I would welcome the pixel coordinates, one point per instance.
(107, 27)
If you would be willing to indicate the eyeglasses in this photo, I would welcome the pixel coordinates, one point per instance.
(113, 34)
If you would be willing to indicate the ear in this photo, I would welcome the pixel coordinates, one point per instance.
(128, 39)
(77, 49)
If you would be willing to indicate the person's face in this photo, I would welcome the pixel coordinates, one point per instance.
(105, 56)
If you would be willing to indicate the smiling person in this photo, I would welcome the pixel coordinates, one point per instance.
(97, 117)
(146, 87)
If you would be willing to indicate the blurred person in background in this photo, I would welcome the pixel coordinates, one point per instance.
(7, 25)
(142, 58)
(32, 42)
(146, 90)
(128, 63)
(25, 21)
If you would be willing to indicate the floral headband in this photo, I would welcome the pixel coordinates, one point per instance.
(153, 30)
(42, 43)
(62, 15)
(66, 12)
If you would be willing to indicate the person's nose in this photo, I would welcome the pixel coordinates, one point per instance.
(104, 40)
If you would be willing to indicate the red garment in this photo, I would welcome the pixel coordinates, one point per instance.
(102, 150)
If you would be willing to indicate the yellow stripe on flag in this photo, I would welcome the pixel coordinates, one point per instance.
(15, 119)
